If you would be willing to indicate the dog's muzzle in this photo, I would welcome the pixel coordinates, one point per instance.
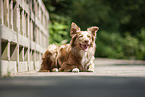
(84, 46)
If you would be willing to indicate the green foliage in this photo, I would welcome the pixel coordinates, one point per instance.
(59, 24)
(130, 46)
(109, 45)
(141, 47)
(58, 33)
(113, 45)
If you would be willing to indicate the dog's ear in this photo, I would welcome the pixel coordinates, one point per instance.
(74, 29)
(93, 30)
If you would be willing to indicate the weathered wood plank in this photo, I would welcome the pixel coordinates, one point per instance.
(27, 26)
(6, 12)
(11, 14)
(40, 13)
(18, 18)
(22, 66)
(8, 34)
(8, 51)
(21, 21)
(23, 41)
(33, 45)
(24, 5)
(32, 16)
(24, 25)
(11, 35)
(4, 67)
(40, 38)
(30, 4)
(37, 65)
(15, 16)
(41, 27)
(34, 56)
(31, 66)
(1, 12)
(43, 8)
(8, 67)
(35, 7)
(12, 67)
(31, 30)
(31, 62)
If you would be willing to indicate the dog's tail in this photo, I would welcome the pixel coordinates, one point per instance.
(49, 58)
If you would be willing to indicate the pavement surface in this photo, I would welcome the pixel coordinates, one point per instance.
(103, 67)
(112, 78)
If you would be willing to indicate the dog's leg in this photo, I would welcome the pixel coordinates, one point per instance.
(91, 66)
(45, 65)
(67, 67)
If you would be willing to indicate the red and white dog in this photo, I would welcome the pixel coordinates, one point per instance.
(76, 56)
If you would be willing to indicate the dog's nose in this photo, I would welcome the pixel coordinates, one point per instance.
(86, 41)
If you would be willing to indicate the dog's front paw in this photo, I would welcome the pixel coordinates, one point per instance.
(75, 70)
(54, 70)
(91, 68)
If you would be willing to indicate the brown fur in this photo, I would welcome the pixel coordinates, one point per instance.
(78, 54)
(49, 59)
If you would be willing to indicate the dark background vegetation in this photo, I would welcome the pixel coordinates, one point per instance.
(121, 22)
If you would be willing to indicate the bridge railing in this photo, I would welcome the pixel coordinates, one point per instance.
(24, 35)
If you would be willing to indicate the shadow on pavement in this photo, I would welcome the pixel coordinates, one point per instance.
(74, 86)
(128, 64)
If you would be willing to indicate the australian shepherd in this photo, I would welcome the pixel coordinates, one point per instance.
(76, 56)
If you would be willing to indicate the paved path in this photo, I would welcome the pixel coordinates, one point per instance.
(108, 80)
(112, 67)
(103, 67)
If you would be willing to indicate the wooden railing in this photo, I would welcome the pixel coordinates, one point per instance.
(24, 35)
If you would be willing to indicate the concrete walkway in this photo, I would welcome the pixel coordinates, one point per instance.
(110, 79)
(103, 67)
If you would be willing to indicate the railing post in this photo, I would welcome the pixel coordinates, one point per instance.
(11, 14)
(6, 12)
(1, 12)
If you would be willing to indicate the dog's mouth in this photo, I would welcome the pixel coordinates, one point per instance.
(84, 47)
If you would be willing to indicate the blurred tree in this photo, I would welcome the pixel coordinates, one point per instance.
(59, 22)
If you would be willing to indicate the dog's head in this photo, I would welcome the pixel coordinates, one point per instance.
(83, 39)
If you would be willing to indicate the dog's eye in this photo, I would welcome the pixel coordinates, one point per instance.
(89, 36)
(81, 36)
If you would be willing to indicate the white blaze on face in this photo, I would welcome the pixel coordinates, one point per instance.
(85, 39)
(85, 35)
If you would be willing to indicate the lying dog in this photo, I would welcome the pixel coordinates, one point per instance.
(76, 56)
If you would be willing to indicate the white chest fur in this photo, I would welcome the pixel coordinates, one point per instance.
(85, 58)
